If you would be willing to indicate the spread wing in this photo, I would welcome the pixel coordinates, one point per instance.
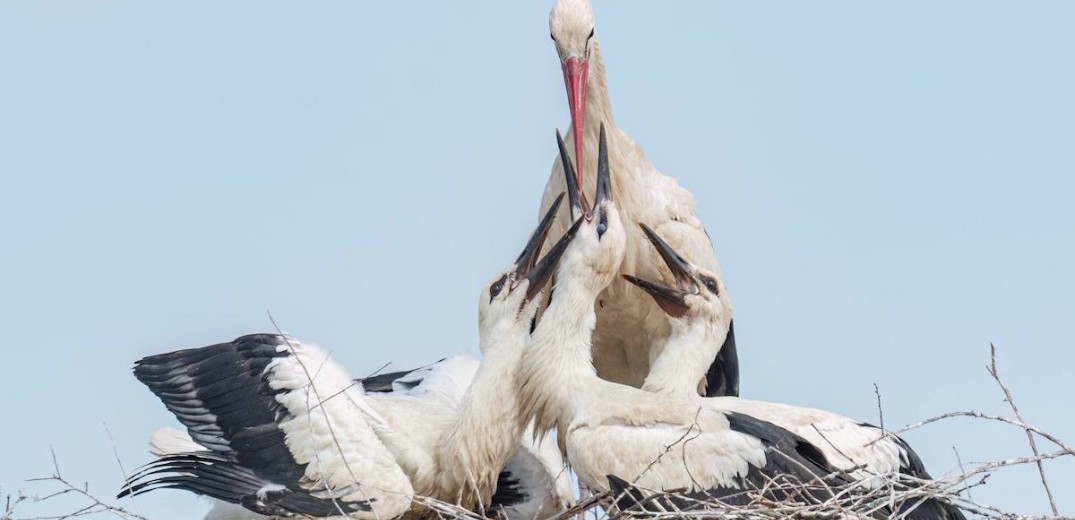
(285, 430)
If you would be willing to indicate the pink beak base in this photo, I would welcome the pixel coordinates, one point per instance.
(575, 74)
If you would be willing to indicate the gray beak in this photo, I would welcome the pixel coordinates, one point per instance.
(545, 267)
(670, 299)
(576, 200)
(529, 257)
(679, 267)
(604, 177)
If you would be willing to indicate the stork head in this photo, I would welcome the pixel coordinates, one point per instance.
(571, 26)
(694, 292)
(600, 240)
(511, 298)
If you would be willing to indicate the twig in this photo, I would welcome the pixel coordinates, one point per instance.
(95, 506)
(880, 412)
(328, 423)
(962, 469)
(379, 370)
(979, 415)
(992, 368)
(670, 446)
(115, 452)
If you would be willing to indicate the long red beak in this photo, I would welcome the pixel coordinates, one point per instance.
(575, 73)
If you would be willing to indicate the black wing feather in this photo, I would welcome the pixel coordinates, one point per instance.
(509, 491)
(722, 378)
(385, 383)
(788, 457)
(220, 477)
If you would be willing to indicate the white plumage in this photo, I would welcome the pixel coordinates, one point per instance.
(331, 430)
(535, 470)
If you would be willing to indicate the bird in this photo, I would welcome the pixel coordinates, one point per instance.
(606, 428)
(698, 311)
(269, 431)
(630, 329)
(282, 430)
(532, 484)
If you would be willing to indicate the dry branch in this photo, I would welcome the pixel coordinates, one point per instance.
(91, 505)
(992, 368)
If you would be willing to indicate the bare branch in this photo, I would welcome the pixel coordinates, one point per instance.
(91, 505)
(962, 469)
(880, 412)
(115, 452)
(992, 368)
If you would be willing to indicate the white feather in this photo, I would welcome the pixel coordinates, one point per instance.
(169, 441)
(330, 431)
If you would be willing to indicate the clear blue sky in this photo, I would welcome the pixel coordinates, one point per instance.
(889, 188)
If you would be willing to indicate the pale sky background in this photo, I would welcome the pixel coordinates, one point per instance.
(890, 188)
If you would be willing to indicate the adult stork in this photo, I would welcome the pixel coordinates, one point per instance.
(699, 313)
(605, 428)
(282, 430)
(630, 329)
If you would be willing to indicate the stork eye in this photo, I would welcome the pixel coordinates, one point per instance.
(497, 287)
(602, 226)
(551, 35)
(590, 36)
(710, 285)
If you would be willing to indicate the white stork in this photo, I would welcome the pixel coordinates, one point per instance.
(532, 484)
(278, 427)
(630, 329)
(700, 315)
(606, 428)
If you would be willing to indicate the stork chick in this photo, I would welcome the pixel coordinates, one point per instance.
(699, 313)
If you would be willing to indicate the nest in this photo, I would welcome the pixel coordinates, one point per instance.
(890, 496)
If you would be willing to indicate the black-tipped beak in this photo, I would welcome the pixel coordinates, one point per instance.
(545, 267)
(604, 177)
(576, 199)
(529, 257)
(679, 267)
(672, 300)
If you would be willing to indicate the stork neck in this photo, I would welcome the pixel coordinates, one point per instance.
(472, 453)
(557, 365)
(691, 348)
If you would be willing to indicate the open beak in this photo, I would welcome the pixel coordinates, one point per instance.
(575, 197)
(529, 257)
(604, 177)
(542, 272)
(670, 299)
(575, 72)
(680, 268)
